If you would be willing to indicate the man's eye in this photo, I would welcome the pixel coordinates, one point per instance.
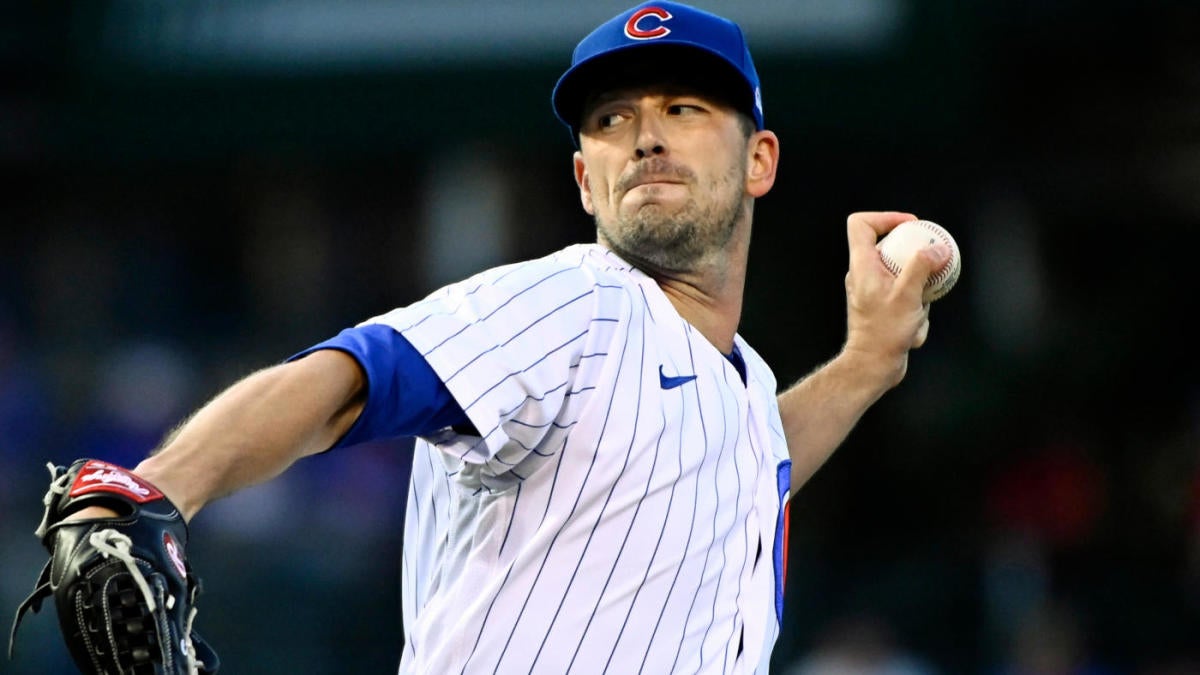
(608, 120)
(683, 109)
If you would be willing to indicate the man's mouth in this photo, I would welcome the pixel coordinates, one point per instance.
(655, 180)
(656, 173)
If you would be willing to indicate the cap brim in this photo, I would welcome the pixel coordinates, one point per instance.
(640, 64)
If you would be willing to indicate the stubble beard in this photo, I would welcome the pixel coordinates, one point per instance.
(682, 240)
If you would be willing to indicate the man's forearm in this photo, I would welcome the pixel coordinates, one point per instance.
(820, 410)
(257, 428)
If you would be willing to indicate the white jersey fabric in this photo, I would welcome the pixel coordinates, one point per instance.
(621, 509)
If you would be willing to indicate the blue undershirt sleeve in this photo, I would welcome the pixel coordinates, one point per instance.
(405, 397)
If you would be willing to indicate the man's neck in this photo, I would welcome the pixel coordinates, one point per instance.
(710, 296)
(716, 316)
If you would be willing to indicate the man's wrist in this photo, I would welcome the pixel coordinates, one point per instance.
(91, 512)
(870, 370)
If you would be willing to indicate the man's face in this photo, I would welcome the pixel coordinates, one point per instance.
(663, 171)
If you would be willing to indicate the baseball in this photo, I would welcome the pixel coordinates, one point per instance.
(899, 246)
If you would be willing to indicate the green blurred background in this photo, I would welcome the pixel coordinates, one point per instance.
(194, 190)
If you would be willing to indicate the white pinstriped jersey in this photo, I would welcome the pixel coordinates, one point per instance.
(615, 514)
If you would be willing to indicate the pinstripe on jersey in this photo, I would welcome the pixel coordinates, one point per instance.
(600, 522)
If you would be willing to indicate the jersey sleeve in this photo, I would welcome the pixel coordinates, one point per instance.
(404, 396)
(506, 344)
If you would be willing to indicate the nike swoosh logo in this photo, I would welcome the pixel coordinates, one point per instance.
(669, 382)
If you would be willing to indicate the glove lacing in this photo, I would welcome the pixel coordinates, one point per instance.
(58, 486)
(111, 543)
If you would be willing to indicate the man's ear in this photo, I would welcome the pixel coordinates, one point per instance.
(585, 188)
(762, 152)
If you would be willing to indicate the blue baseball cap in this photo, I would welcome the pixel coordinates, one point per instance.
(660, 41)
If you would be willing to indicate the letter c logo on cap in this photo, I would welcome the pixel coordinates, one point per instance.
(635, 32)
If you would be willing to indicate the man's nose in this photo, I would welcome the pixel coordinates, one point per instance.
(650, 139)
(648, 149)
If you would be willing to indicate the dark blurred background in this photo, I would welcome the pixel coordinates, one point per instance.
(195, 189)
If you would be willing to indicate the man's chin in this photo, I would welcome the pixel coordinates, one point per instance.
(651, 214)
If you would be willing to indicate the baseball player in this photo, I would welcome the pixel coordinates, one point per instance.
(603, 463)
